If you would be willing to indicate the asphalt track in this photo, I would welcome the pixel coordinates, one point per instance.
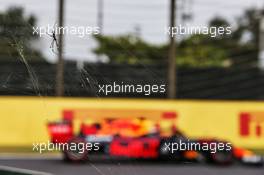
(106, 166)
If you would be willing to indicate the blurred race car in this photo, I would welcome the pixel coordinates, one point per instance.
(143, 139)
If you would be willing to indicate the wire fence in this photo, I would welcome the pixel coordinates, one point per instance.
(203, 83)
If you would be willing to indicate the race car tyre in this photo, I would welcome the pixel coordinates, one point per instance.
(73, 153)
(165, 153)
(222, 158)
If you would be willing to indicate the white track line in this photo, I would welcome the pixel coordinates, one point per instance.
(20, 170)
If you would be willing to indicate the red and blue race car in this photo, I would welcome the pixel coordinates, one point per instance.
(142, 139)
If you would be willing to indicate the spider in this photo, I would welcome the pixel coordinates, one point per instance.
(54, 42)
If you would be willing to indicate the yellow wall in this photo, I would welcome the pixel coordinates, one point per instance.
(23, 119)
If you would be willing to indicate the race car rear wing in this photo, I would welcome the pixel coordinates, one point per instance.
(60, 132)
